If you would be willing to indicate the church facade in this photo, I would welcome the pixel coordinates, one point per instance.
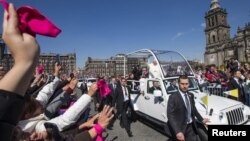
(220, 47)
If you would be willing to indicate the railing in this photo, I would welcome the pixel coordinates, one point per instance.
(215, 89)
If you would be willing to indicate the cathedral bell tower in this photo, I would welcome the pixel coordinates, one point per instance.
(217, 32)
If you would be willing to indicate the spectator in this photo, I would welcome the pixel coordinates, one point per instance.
(25, 52)
(233, 64)
(236, 83)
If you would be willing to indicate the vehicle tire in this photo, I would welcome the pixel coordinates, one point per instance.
(131, 114)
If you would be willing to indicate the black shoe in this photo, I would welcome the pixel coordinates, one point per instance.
(130, 134)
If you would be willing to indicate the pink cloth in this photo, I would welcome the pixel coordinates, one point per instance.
(103, 88)
(40, 69)
(33, 22)
(99, 130)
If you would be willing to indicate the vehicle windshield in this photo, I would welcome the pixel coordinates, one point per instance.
(80, 80)
(171, 85)
(91, 80)
(173, 64)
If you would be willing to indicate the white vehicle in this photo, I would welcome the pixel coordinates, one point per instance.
(84, 83)
(152, 106)
(80, 82)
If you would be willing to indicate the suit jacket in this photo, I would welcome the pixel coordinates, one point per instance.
(234, 85)
(119, 99)
(112, 93)
(176, 113)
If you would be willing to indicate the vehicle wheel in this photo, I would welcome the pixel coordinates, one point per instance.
(131, 114)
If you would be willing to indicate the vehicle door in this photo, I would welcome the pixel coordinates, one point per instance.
(154, 106)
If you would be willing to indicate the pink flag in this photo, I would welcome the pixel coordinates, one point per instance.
(40, 69)
(103, 88)
(33, 22)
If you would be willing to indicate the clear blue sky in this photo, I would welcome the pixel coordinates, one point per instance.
(103, 28)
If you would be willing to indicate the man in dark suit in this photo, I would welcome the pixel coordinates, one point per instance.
(154, 87)
(122, 100)
(236, 83)
(181, 113)
(112, 85)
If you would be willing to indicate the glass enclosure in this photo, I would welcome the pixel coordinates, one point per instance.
(171, 63)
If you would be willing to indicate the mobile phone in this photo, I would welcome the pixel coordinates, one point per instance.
(58, 59)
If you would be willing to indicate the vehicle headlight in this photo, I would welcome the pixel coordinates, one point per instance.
(243, 107)
(221, 115)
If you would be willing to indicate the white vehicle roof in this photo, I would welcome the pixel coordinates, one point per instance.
(172, 63)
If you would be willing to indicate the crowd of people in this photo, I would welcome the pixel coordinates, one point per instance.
(29, 104)
(233, 76)
(38, 107)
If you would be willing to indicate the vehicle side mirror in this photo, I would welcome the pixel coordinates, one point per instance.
(157, 93)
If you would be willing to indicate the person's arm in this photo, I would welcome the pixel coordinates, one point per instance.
(171, 110)
(13, 85)
(103, 120)
(48, 90)
(63, 97)
(25, 52)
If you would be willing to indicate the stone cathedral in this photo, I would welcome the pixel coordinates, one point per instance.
(220, 47)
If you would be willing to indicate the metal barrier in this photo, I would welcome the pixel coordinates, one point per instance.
(215, 89)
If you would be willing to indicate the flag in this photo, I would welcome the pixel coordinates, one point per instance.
(205, 100)
(234, 93)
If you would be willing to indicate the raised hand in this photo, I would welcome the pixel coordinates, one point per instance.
(89, 123)
(24, 50)
(23, 47)
(105, 116)
(92, 89)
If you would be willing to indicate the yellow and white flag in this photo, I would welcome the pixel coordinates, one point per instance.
(234, 93)
(205, 100)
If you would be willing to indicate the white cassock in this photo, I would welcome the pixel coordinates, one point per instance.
(154, 71)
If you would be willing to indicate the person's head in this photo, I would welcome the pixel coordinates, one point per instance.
(32, 108)
(113, 80)
(237, 74)
(155, 62)
(155, 83)
(123, 81)
(183, 83)
(213, 68)
(131, 76)
(119, 77)
(246, 65)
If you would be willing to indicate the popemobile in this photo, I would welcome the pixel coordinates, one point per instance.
(152, 106)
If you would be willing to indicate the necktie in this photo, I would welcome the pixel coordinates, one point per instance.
(125, 90)
(188, 108)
